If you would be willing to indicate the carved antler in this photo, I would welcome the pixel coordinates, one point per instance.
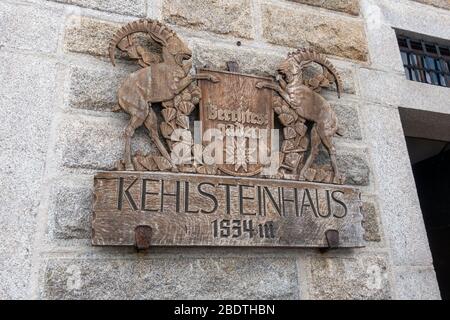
(304, 56)
(157, 31)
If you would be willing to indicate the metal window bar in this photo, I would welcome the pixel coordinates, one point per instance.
(425, 61)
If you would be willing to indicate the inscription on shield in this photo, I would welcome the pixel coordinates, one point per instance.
(243, 116)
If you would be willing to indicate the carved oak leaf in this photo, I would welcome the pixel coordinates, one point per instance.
(186, 107)
(166, 130)
(169, 114)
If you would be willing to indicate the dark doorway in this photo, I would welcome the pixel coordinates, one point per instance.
(427, 137)
(430, 161)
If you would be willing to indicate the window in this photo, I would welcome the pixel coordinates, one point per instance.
(425, 61)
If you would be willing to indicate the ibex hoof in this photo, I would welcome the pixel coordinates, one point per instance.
(260, 85)
(214, 79)
(339, 179)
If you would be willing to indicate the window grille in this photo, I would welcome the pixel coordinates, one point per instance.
(425, 61)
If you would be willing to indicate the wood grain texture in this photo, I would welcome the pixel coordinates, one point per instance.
(204, 210)
(235, 104)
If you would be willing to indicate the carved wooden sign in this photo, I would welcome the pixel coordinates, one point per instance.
(204, 210)
(223, 176)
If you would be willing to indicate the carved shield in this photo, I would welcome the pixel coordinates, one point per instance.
(244, 116)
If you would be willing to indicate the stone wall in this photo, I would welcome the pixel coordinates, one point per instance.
(445, 4)
(59, 88)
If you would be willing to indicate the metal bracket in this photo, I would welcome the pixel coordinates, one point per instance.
(142, 236)
(332, 240)
(232, 66)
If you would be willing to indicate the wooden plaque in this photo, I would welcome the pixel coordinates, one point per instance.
(167, 209)
(222, 193)
(239, 110)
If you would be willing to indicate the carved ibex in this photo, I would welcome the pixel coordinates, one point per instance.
(307, 103)
(155, 82)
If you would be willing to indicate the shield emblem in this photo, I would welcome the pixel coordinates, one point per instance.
(243, 114)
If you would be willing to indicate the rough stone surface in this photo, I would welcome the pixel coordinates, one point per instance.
(417, 284)
(253, 61)
(360, 277)
(346, 74)
(46, 190)
(27, 104)
(250, 60)
(353, 164)
(373, 86)
(347, 6)
(397, 197)
(71, 209)
(370, 222)
(348, 81)
(128, 7)
(172, 278)
(87, 35)
(445, 4)
(227, 17)
(348, 119)
(411, 16)
(301, 28)
(96, 142)
(92, 36)
(30, 28)
(14, 276)
(355, 168)
(382, 40)
(96, 88)
(393, 89)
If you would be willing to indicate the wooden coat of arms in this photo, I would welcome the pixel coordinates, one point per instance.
(221, 175)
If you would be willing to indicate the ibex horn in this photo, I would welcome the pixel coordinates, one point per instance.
(159, 32)
(310, 54)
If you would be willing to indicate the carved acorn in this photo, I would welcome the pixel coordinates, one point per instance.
(196, 95)
(177, 100)
(195, 100)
